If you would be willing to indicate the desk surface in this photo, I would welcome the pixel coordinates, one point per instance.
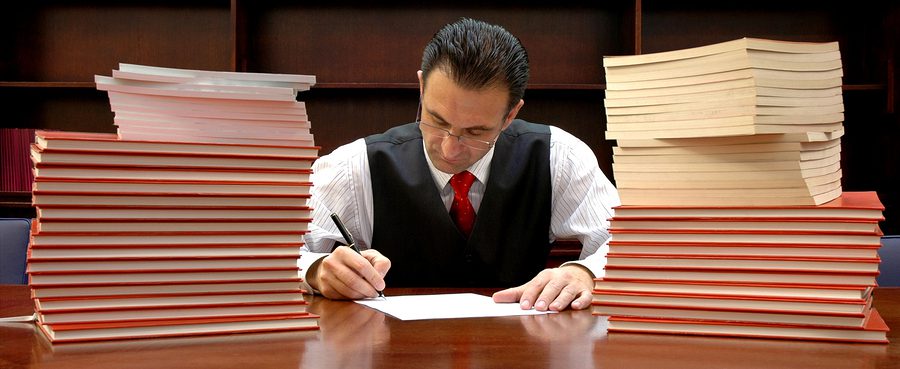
(353, 336)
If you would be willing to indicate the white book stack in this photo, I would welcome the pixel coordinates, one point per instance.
(189, 221)
(153, 103)
(743, 122)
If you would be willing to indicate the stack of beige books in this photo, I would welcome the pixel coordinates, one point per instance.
(173, 226)
(744, 122)
(733, 221)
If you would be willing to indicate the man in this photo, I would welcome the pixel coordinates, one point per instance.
(465, 196)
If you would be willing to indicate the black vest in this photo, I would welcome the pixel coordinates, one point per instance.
(509, 242)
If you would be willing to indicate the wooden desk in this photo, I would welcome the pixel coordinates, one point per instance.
(353, 336)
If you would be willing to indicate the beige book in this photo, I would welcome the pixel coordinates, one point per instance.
(734, 198)
(709, 111)
(730, 157)
(748, 180)
(760, 58)
(638, 172)
(804, 137)
(757, 129)
(727, 101)
(735, 148)
(797, 94)
(799, 191)
(762, 77)
(739, 44)
(775, 89)
(702, 67)
(735, 166)
(737, 120)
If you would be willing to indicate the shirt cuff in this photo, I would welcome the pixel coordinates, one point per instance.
(305, 260)
(596, 272)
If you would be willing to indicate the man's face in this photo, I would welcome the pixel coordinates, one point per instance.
(476, 114)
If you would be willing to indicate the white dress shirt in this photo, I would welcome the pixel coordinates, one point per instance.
(581, 201)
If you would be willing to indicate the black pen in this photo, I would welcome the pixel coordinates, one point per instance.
(349, 238)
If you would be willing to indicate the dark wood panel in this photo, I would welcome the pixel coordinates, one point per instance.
(67, 109)
(340, 116)
(870, 158)
(674, 25)
(345, 43)
(66, 41)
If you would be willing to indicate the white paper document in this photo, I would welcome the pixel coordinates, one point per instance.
(446, 306)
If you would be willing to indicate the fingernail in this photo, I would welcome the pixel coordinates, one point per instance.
(525, 304)
(576, 304)
(556, 306)
(541, 305)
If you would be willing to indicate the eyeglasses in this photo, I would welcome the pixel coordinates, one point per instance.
(441, 133)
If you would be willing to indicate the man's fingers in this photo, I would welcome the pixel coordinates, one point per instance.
(531, 290)
(509, 294)
(348, 274)
(583, 301)
(380, 264)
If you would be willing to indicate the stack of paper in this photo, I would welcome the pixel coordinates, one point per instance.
(172, 231)
(744, 122)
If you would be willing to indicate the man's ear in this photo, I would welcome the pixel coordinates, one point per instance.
(421, 83)
(512, 113)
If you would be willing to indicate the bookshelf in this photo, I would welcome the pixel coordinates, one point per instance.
(365, 56)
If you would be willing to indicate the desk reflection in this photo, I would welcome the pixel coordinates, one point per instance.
(652, 351)
(349, 335)
(566, 336)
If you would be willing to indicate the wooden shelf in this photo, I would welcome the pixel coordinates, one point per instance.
(365, 55)
(48, 85)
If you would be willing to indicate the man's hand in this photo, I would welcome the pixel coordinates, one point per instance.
(347, 275)
(553, 289)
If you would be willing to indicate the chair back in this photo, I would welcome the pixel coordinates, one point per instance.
(14, 236)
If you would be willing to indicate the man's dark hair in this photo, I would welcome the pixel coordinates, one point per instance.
(478, 55)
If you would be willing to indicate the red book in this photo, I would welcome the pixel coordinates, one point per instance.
(81, 332)
(873, 330)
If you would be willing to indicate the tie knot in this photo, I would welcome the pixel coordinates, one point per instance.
(461, 182)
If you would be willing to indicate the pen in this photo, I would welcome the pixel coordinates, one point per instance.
(349, 238)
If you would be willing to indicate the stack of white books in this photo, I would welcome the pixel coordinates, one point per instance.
(187, 222)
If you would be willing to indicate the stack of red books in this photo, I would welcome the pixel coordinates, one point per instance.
(172, 228)
(801, 272)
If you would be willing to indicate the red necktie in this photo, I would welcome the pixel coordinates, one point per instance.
(461, 210)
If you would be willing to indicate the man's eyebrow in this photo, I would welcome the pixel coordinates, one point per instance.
(441, 119)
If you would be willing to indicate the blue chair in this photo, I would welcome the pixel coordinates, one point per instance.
(14, 235)
(890, 261)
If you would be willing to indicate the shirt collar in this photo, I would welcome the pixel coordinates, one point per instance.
(480, 169)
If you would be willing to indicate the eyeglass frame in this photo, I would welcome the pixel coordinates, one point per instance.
(463, 140)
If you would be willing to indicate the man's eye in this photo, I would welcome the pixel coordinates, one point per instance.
(475, 132)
